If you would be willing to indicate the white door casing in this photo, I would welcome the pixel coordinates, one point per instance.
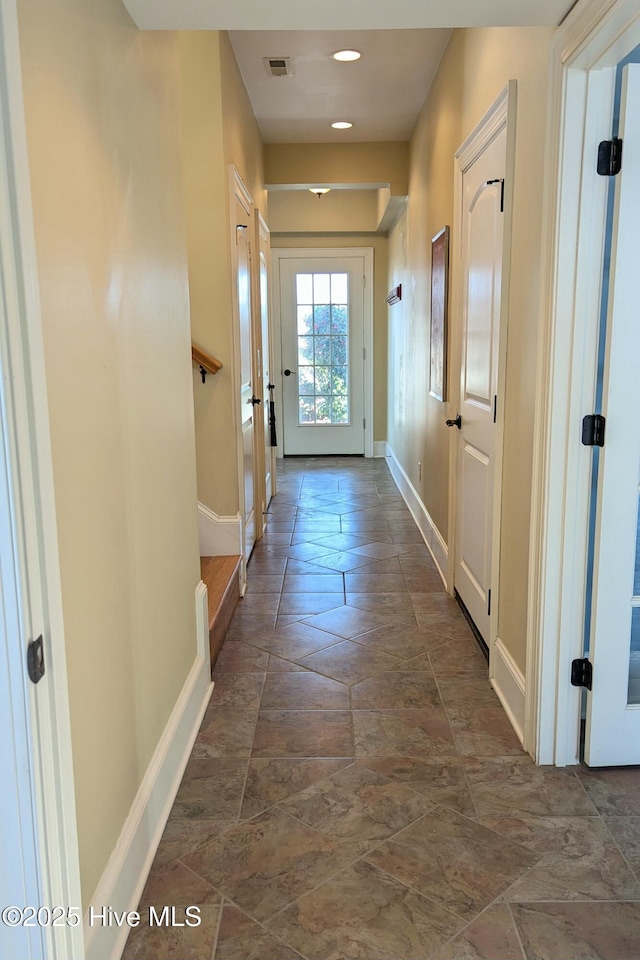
(482, 223)
(241, 216)
(593, 39)
(322, 255)
(40, 843)
(265, 356)
(612, 735)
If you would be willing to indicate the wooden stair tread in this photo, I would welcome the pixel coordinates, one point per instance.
(221, 576)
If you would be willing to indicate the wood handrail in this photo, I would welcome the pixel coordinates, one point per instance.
(206, 362)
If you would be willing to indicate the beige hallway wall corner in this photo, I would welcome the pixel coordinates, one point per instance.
(102, 112)
(476, 66)
(207, 217)
(218, 129)
(380, 268)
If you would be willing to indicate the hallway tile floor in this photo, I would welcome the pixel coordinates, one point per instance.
(356, 790)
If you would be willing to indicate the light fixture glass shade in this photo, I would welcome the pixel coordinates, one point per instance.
(319, 191)
(346, 56)
(341, 125)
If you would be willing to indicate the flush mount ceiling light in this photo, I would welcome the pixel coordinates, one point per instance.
(319, 191)
(341, 125)
(346, 56)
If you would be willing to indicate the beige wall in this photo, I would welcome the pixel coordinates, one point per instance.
(475, 68)
(380, 267)
(378, 163)
(218, 129)
(299, 211)
(102, 114)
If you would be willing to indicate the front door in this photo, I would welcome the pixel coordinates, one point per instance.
(481, 238)
(322, 325)
(613, 705)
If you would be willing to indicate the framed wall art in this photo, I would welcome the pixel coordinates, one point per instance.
(439, 314)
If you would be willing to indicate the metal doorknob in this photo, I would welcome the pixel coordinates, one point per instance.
(255, 400)
(455, 423)
(288, 372)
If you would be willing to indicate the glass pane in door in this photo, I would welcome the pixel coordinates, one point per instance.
(322, 302)
(634, 654)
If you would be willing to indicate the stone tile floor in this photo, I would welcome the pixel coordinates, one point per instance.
(356, 790)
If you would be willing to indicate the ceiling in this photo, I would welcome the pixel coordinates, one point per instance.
(343, 14)
(381, 94)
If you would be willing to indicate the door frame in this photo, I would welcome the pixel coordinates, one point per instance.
(31, 581)
(263, 233)
(327, 253)
(594, 37)
(239, 192)
(501, 115)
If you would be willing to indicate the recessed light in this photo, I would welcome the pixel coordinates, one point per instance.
(346, 56)
(341, 125)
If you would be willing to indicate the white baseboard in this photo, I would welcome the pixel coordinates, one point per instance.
(219, 536)
(508, 682)
(202, 623)
(125, 875)
(379, 448)
(432, 537)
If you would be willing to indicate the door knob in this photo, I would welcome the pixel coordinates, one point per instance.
(288, 372)
(255, 400)
(455, 423)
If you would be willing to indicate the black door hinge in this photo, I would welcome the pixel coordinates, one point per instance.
(581, 673)
(489, 603)
(610, 157)
(35, 660)
(593, 430)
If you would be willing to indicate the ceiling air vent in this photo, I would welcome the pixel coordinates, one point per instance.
(278, 66)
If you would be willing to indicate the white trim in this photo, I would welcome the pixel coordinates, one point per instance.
(501, 115)
(35, 533)
(125, 875)
(434, 540)
(509, 684)
(595, 35)
(329, 253)
(219, 536)
(380, 448)
(202, 623)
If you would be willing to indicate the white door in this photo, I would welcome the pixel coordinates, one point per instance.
(481, 239)
(322, 328)
(264, 359)
(613, 705)
(247, 405)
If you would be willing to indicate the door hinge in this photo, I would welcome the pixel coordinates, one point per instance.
(364, 280)
(499, 180)
(364, 423)
(489, 603)
(593, 430)
(495, 408)
(364, 353)
(35, 660)
(609, 157)
(581, 673)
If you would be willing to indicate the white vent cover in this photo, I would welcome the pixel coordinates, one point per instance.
(278, 66)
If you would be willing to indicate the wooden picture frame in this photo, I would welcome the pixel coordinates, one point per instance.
(439, 314)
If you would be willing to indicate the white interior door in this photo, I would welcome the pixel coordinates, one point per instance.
(247, 405)
(265, 358)
(322, 330)
(613, 705)
(482, 230)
